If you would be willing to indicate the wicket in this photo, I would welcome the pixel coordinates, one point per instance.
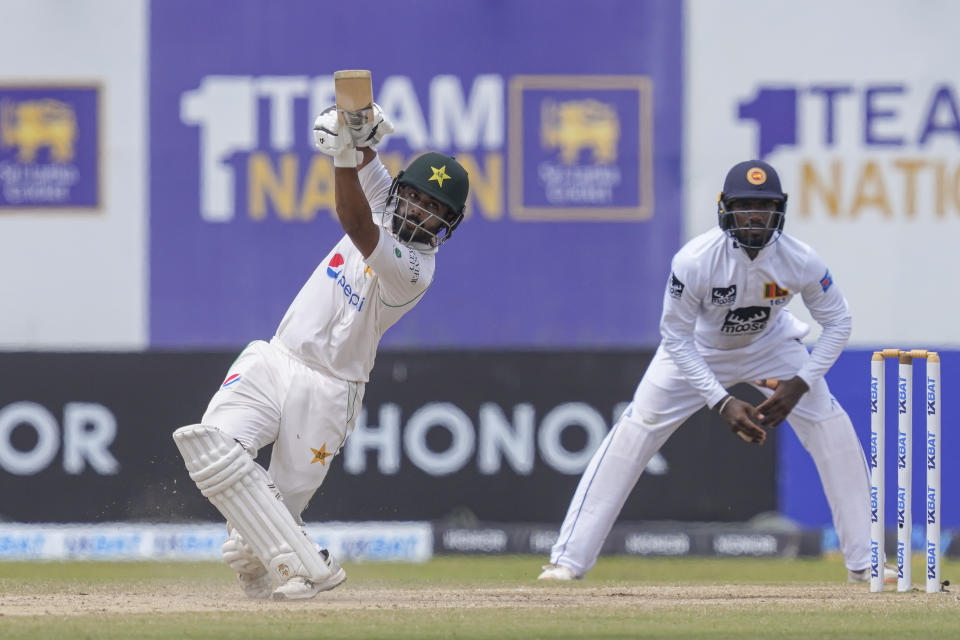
(932, 553)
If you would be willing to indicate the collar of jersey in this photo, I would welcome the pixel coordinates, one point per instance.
(741, 254)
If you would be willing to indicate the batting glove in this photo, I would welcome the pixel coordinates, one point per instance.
(371, 133)
(334, 138)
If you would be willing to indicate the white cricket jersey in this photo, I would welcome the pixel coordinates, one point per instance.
(336, 320)
(717, 298)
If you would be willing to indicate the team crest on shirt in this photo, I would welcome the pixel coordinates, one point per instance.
(776, 295)
(724, 295)
(773, 290)
(676, 287)
(320, 455)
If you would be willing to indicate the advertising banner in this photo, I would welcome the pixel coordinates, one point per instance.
(49, 147)
(867, 146)
(566, 120)
(73, 175)
(112, 541)
(451, 436)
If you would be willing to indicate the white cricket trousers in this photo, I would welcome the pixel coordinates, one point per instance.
(269, 396)
(664, 400)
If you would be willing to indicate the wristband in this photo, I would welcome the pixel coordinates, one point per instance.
(346, 158)
(723, 405)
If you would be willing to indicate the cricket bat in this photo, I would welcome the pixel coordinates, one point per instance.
(353, 89)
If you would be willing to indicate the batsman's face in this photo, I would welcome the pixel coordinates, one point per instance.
(756, 219)
(419, 218)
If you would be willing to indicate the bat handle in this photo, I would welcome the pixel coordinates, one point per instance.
(358, 118)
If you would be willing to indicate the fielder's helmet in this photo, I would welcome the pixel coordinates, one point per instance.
(751, 180)
(440, 177)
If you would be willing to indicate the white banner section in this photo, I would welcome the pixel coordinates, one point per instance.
(857, 106)
(348, 541)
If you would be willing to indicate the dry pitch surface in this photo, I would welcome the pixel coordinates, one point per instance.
(474, 597)
(111, 599)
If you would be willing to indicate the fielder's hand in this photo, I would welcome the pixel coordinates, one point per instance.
(786, 394)
(370, 134)
(742, 418)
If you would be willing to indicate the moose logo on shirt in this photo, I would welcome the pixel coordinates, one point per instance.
(724, 295)
(676, 287)
(745, 320)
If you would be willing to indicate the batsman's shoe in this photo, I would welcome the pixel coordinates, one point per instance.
(303, 588)
(256, 586)
(558, 572)
(253, 577)
(889, 575)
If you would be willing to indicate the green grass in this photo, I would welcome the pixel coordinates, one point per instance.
(475, 597)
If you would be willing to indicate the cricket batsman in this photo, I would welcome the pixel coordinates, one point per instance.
(302, 391)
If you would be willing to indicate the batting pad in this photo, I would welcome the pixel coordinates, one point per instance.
(240, 489)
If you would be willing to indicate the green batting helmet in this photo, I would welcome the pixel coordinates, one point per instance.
(439, 176)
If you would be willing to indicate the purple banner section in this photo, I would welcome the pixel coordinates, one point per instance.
(49, 146)
(575, 205)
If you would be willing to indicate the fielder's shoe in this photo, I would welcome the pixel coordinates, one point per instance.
(558, 572)
(889, 575)
(302, 588)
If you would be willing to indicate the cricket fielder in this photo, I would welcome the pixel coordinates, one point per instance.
(724, 321)
(302, 390)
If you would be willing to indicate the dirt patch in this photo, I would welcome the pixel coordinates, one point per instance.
(190, 597)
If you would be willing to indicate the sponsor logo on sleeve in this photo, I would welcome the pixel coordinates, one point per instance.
(413, 264)
(231, 379)
(724, 295)
(676, 287)
(745, 320)
(826, 281)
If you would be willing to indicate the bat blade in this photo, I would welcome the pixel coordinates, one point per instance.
(353, 89)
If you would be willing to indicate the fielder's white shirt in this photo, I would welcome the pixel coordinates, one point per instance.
(718, 299)
(336, 320)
